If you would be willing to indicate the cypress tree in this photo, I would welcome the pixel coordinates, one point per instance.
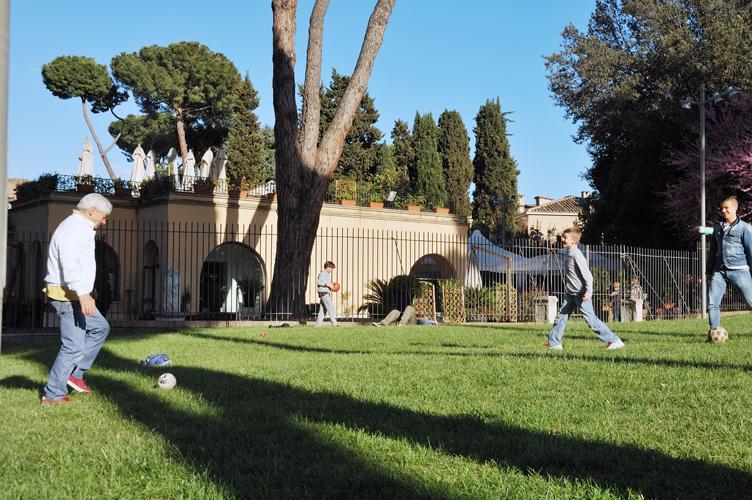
(402, 147)
(245, 144)
(454, 148)
(495, 173)
(359, 158)
(426, 174)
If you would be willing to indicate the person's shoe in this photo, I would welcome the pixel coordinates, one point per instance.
(557, 347)
(61, 401)
(376, 324)
(615, 345)
(78, 384)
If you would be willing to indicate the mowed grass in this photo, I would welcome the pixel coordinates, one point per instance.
(481, 411)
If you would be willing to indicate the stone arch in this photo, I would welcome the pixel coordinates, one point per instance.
(226, 276)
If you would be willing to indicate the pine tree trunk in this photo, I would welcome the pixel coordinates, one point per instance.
(304, 170)
(181, 134)
(102, 152)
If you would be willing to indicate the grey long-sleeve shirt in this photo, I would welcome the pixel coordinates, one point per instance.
(579, 279)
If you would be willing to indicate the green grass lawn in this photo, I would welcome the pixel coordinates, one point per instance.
(445, 412)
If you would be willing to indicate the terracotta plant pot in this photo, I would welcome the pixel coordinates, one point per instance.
(271, 196)
(123, 192)
(237, 193)
(376, 204)
(412, 208)
(85, 188)
(202, 188)
(349, 203)
(441, 210)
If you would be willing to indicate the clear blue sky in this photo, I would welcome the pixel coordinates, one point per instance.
(436, 55)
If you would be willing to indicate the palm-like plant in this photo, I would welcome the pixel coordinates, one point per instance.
(379, 300)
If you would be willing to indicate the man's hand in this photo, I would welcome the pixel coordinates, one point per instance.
(88, 305)
(586, 297)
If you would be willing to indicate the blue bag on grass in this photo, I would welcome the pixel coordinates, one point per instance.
(157, 360)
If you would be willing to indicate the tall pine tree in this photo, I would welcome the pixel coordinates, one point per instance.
(426, 173)
(454, 148)
(495, 196)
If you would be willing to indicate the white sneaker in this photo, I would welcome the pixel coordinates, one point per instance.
(557, 347)
(376, 324)
(615, 345)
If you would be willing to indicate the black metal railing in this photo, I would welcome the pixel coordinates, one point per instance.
(200, 271)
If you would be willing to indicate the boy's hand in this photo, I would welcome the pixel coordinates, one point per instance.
(586, 297)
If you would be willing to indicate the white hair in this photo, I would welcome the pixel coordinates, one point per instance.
(95, 200)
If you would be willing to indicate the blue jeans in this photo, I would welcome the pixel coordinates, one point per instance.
(326, 303)
(82, 338)
(740, 278)
(568, 304)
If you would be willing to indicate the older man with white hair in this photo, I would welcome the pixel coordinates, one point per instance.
(71, 270)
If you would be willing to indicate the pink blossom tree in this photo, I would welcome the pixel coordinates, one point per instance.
(728, 167)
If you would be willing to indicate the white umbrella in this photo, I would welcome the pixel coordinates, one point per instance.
(473, 278)
(206, 163)
(150, 169)
(86, 160)
(189, 164)
(138, 165)
(172, 160)
(218, 167)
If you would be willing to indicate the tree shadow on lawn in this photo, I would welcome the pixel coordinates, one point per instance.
(611, 356)
(257, 443)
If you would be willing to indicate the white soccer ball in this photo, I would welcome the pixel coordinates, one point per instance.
(717, 335)
(167, 381)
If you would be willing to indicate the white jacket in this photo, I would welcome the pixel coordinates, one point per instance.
(70, 261)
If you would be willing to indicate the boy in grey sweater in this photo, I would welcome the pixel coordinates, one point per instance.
(579, 289)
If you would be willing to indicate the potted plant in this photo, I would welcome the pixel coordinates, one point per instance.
(85, 184)
(440, 210)
(413, 203)
(122, 188)
(204, 185)
(240, 189)
(250, 287)
(375, 200)
(345, 191)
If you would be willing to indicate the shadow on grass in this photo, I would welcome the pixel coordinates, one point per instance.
(262, 440)
(543, 353)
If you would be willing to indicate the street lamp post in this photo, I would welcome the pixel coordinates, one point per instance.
(704, 231)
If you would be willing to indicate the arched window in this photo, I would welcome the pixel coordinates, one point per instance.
(232, 280)
(432, 267)
(149, 298)
(107, 281)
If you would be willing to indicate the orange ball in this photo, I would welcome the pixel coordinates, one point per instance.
(335, 287)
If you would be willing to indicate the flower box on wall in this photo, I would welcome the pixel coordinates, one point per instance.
(85, 188)
(203, 188)
(349, 203)
(271, 196)
(376, 204)
(237, 193)
(123, 192)
(441, 210)
(412, 208)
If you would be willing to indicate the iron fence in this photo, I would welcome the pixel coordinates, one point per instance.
(213, 272)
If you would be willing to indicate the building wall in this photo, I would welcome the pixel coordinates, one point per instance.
(529, 221)
(365, 243)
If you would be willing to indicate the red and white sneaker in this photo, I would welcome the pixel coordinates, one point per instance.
(61, 401)
(615, 345)
(557, 347)
(78, 384)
